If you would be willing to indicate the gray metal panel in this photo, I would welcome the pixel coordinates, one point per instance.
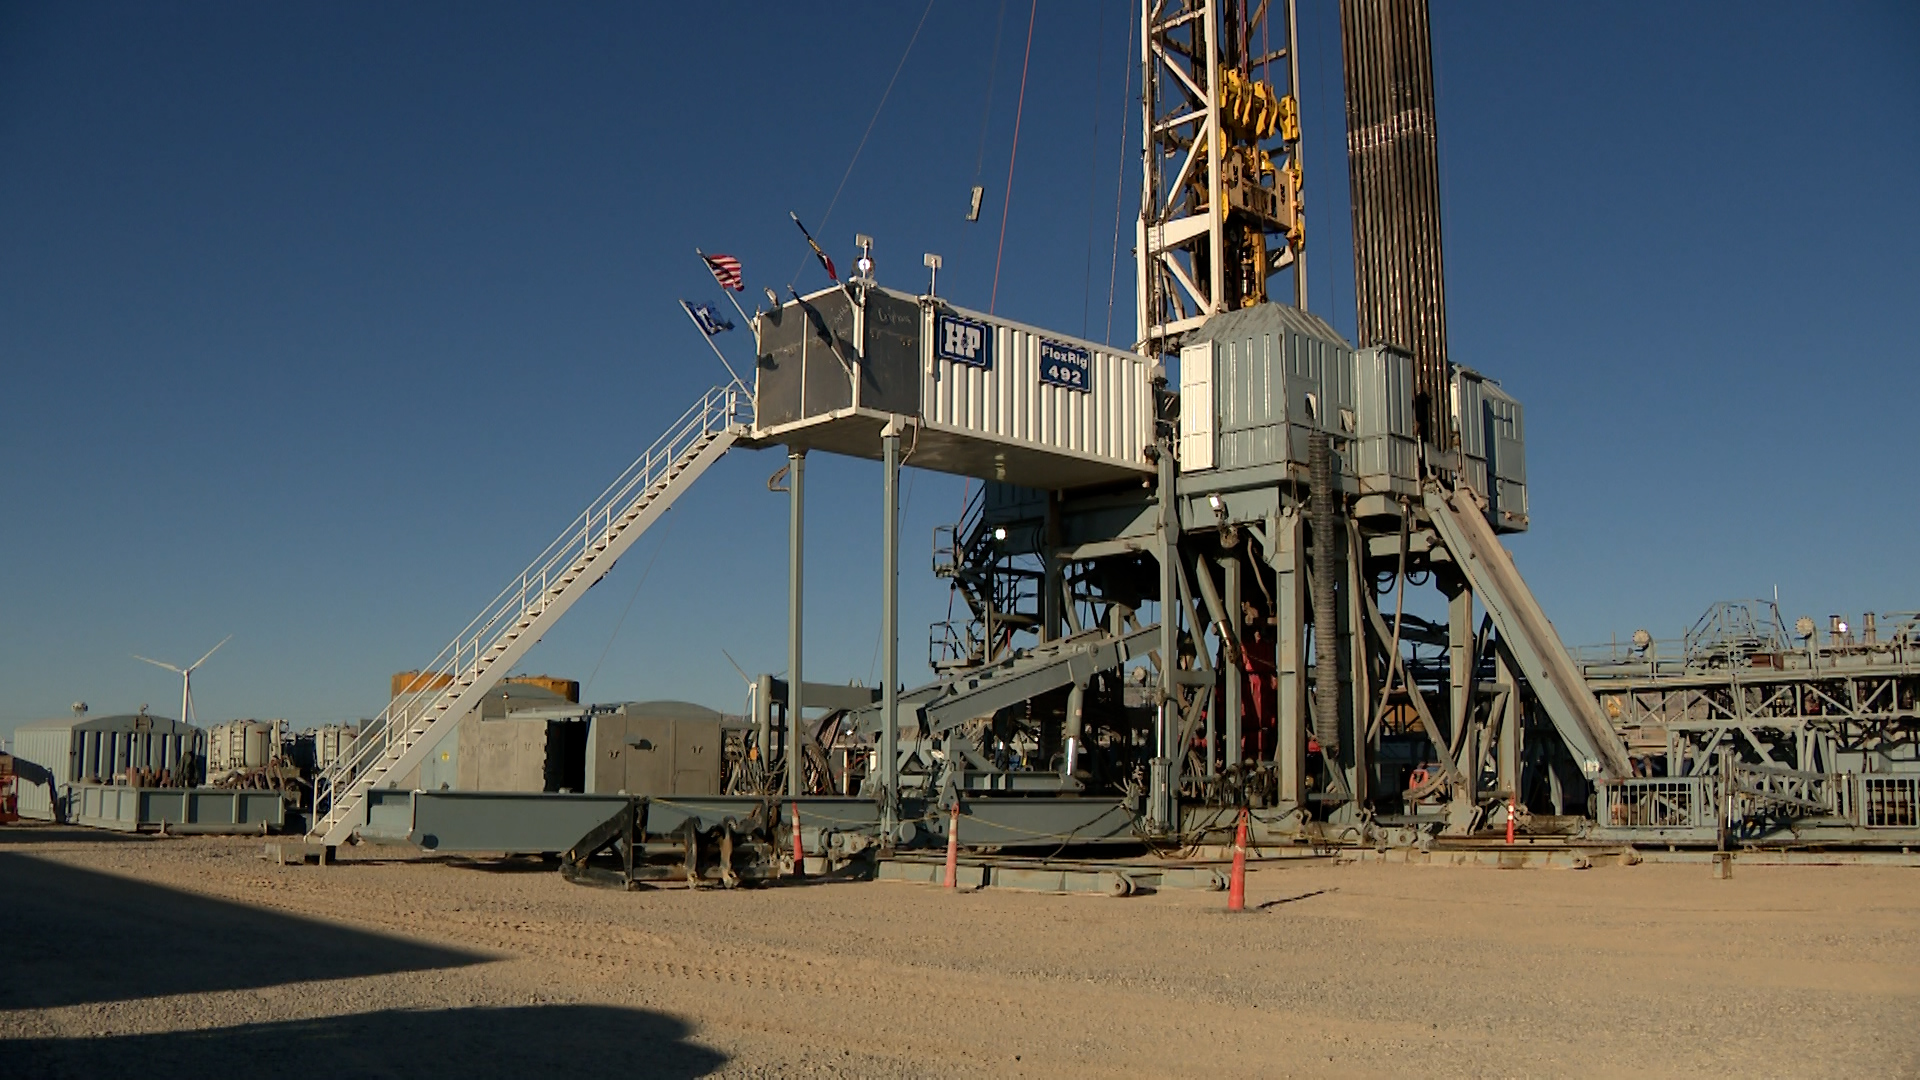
(441, 769)
(1506, 439)
(1278, 373)
(49, 745)
(645, 754)
(890, 370)
(508, 822)
(202, 810)
(1386, 454)
(778, 368)
(799, 375)
(1469, 417)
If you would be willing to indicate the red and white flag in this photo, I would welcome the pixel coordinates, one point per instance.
(726, 271)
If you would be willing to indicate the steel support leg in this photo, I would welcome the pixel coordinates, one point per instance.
(796, 503)
(763, 723)
(1507, 747)
(1230, 707)
(1460, 685)
(1357, 690)
(1162, 786)
(1290, 633)
(890, 627)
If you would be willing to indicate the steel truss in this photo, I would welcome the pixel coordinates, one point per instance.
(1221, 208)
(1785, 741)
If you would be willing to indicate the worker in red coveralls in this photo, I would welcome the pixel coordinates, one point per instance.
(1259, 687)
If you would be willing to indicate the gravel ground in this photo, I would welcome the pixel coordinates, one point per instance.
(194, 957)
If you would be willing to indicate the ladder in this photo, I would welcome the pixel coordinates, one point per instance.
(429, 708)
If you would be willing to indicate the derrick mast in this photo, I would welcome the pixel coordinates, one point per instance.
(1221, 192)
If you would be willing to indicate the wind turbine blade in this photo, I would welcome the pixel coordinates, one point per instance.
(737, 667)
(210, 652)
(156, 663)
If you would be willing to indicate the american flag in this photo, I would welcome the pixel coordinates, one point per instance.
(726, 271)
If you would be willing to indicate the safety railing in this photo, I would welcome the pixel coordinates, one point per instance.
(1656, 803)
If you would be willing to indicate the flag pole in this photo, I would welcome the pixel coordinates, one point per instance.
(708, 338)
(744, 317)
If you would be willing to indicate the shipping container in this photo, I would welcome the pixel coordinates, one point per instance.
(987, 397)
(102, 750)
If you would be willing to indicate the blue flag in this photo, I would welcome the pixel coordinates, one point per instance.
(706, 318)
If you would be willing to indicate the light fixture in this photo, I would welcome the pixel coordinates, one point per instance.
(1214, 501)
(999, 532)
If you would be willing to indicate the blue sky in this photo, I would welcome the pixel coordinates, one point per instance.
(318, 321)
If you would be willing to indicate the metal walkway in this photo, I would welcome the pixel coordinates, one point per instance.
(1460, 518)
(447, 689)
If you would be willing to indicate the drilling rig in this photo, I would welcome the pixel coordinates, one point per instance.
(1190, 581)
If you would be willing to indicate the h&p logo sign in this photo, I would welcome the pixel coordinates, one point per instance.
(963, 341)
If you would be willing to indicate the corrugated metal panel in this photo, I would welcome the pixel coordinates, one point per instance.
(50, 748)
(1197, 408)
(1277, 372)
(1386, 455)
(1038, 389)
(1506, 440)
(1469, 408)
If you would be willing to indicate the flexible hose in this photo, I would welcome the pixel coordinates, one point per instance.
(1326, 642)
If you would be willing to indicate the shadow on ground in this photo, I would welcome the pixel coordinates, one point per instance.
(76, 937)
(25, 833)
(533, 1040)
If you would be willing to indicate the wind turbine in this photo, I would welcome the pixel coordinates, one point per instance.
(186, 678)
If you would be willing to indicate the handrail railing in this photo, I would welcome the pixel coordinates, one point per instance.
(529, 592)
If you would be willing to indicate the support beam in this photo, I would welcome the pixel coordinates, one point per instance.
(1290, 661)
(1461, 657)
(1231, 707)
(796, 564)
(1162, 789)
(1358, 706)
(1507, 743)
(889, 790)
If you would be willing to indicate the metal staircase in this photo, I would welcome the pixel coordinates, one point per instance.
(448, 689)
(1001, 596)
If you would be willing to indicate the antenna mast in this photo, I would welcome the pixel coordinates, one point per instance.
(1220, 206)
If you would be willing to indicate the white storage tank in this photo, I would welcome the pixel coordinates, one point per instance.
(332, 742)
(989, 397)
(243, 745)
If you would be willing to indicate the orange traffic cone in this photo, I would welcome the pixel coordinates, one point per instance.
(1237, 884)
(1513, 805)
(953, 847)
(799, 857)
